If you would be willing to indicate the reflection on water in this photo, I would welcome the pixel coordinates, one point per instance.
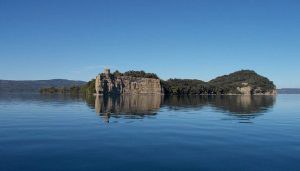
(41, 99)
(135, 106)
(244, 107)
(138, 106)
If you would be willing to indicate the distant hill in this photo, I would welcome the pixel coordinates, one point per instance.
(11, 86)
(288, 91)
(244, 78)
(240, 82)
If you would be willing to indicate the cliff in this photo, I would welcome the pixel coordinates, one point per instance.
(117, 83)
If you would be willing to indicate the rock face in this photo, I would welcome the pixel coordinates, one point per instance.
(107, 83)
(248, 90)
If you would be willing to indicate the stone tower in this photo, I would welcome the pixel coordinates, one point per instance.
(106, 72)
(100, 83)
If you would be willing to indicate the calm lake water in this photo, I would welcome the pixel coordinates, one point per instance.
(40, 132)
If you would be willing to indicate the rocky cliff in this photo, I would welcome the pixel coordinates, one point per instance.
(249, 90)
(107, 83)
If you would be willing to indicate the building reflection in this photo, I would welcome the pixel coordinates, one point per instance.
(130, 106)
(139, 106)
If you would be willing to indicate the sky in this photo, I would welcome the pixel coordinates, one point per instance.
(198, 39)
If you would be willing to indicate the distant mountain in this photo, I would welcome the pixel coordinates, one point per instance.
(288, 91)
(12, 86)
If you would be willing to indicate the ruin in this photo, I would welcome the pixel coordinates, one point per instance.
(107, 83)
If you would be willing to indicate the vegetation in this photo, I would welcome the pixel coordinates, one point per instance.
(142, 74)
(64, 90)
(88, 88)
(185, 86)
(131, 73)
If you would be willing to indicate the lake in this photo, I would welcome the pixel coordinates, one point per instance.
(56, 132)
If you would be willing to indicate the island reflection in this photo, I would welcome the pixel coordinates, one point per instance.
(133, 106)
(139, 106)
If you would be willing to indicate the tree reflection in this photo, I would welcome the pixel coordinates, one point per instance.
(241, 107)
(139, 106)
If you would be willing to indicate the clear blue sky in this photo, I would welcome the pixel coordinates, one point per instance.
(200, 39)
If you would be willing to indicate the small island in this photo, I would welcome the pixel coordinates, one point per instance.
(243, 82)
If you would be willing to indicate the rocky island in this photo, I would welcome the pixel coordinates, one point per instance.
(128, 83)
(243, 82)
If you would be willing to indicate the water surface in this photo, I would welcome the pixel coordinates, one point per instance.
(53, 132)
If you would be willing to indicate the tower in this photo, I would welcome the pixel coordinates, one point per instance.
(98, 85)
(106, 71)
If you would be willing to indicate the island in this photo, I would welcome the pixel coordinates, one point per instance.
(243, 82)
(130, 82)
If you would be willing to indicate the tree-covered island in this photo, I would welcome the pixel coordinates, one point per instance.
(140, 82)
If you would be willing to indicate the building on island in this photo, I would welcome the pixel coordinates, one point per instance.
(107, 83)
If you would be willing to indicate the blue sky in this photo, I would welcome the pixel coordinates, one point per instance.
(201, 39)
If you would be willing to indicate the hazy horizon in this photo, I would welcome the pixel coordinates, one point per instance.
(41, 40)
